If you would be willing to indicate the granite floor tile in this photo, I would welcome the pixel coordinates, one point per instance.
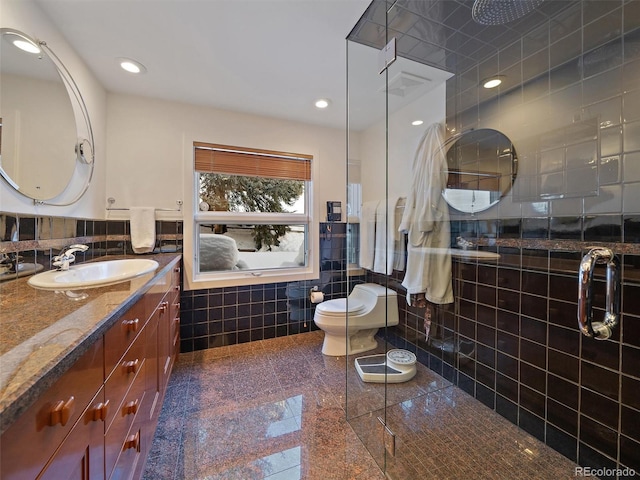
(277, 410)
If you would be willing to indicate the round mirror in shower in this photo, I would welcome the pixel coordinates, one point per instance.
(482, 168)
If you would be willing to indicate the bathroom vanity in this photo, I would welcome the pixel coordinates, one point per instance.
(84, 374)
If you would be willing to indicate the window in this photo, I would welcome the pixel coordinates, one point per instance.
(254, 211)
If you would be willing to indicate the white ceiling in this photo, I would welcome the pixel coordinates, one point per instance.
(266, 57)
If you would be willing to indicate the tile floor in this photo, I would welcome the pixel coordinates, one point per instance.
(275, 410)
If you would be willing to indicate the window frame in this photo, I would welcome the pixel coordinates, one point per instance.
(263, 275)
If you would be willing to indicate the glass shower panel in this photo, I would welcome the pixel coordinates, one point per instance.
(396, 120)
(366, 179)
(560, 128)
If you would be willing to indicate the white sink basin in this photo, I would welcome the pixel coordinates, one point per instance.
(95, 274)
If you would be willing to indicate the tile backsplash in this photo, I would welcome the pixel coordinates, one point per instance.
(39, 239)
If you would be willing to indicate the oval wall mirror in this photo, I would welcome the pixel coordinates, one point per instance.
(46, 148)
(482, 168)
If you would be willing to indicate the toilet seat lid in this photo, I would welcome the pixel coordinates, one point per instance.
(339, 306)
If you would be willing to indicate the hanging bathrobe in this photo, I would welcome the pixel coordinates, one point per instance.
(426, 222)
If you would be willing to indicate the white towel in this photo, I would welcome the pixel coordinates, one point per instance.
(426, 222)
(380, 243)
(399, 249)
(367, 233)
(389, 246)
(143, 229)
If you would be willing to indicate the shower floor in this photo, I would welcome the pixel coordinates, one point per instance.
(275, 409)
(448, 434)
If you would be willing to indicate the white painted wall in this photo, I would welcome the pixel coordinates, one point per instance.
(24, 15)
(149, 145)
(150, 155)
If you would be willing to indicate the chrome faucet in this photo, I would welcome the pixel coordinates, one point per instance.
(67, 256)
(5, 263)
(9, 263)
(463, 243)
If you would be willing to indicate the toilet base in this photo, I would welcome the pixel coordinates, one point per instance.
(338, 346)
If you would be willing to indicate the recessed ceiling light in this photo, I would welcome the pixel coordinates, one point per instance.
(21, 41)
(323, 103)
(415, 123)
(131, 66)
(492, 82)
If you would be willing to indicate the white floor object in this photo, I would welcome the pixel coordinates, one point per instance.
(394, 367)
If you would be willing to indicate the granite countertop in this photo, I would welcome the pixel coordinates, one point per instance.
(43, 332)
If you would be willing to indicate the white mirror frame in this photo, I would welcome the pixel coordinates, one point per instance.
(82, 175)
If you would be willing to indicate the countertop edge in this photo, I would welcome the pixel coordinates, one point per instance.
(25, 397)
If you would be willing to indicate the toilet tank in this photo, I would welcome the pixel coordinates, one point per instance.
(376, 298)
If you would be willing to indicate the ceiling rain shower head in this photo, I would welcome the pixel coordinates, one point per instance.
(498, 12)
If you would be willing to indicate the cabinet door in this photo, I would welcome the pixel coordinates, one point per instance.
(81, 455)
(126, 391)
(33, 438)
(118, 442)
(135, 447)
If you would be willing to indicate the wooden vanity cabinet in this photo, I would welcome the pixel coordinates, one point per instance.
(32, 440)
(160, 353)
(174, 328)
(125, 390)
(170, 326)
(136, 382)
(123, 440)
(81, 455)
(98, 420)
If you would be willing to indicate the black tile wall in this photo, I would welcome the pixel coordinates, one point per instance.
(230, 315)
(38, 239)
(578, 395)
(529, 362)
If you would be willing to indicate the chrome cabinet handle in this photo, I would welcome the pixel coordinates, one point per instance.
(598, 330)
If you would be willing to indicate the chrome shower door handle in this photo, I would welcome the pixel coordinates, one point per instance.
(598, 330)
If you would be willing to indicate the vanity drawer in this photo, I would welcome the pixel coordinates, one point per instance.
(122, 333)
(128, 410)
(123, 375)
(32, 439)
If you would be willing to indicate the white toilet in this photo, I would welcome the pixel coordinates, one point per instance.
(371, 306)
